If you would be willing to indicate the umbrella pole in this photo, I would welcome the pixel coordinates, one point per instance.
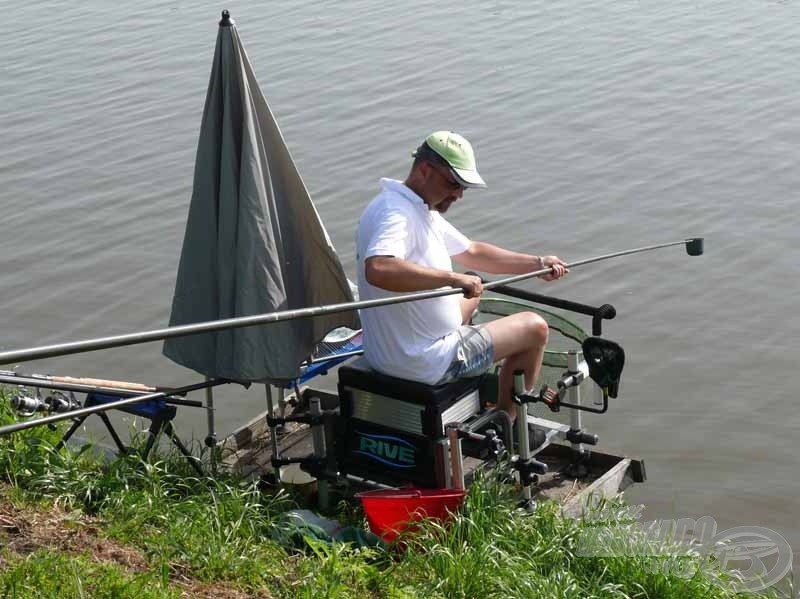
(211, 438)
(273, 435)
(320, 451)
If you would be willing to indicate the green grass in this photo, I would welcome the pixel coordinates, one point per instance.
(48, 574)
(188, 532)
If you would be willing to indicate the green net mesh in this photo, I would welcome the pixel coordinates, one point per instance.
(565, 336)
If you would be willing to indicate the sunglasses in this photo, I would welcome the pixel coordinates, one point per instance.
(447, 176)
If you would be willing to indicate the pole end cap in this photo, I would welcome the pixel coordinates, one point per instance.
(694, 247)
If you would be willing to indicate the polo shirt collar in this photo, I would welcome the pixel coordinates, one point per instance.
(400, 188)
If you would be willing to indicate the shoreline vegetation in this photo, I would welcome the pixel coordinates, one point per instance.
(72, 525)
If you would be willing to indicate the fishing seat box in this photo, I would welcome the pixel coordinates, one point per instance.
(391, 430)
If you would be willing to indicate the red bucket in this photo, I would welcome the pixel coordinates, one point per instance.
(390, 511)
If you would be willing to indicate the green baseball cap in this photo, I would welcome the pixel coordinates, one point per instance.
(455, 152)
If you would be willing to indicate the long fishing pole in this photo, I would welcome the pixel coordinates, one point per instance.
(694, 247)
(19, 426)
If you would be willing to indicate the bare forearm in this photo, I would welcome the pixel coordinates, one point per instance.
(395, 274)
(490, 258)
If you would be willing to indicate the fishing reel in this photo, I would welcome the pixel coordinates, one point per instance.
(604, 360)
(54, 403)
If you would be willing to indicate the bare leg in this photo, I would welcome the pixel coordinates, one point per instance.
(468, 308)
(520, 339)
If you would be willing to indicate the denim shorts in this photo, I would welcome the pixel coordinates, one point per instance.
(474, 355)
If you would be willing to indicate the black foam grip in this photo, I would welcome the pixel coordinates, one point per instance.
(607, 311)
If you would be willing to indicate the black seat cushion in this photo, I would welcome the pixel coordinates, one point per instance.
(359, 375)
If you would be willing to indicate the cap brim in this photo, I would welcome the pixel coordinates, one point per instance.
(467, 178)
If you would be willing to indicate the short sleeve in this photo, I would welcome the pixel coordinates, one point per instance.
(389, 236)
(455, 241)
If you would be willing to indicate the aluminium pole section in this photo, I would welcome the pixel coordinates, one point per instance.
(693, 246)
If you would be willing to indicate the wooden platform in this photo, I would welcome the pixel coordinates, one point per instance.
(248, 451)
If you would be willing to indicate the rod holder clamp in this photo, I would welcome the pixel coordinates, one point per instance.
(528, 469)
(494, 443)
(581, 436)
(481, 445)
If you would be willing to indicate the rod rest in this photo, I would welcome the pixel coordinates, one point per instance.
(150, 409)
(605, 360)
(598, 313)
(157, 411)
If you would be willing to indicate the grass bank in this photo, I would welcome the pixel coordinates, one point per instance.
(71, 526)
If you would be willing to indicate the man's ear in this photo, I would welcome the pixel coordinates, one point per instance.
(425, 169)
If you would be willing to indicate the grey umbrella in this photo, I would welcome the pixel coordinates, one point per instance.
(254, 242)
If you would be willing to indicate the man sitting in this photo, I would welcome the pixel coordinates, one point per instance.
(404, 244)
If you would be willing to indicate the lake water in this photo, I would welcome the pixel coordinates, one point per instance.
(599, 127)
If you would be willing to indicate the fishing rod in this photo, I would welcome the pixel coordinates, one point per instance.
(694, 247)
(69, 383)
(81, 385)
(19, 426)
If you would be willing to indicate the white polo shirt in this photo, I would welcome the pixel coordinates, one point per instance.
(411, 340)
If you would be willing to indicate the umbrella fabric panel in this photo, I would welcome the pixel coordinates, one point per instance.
(254, 242)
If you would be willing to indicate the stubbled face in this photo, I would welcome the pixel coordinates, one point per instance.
(442, 188)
